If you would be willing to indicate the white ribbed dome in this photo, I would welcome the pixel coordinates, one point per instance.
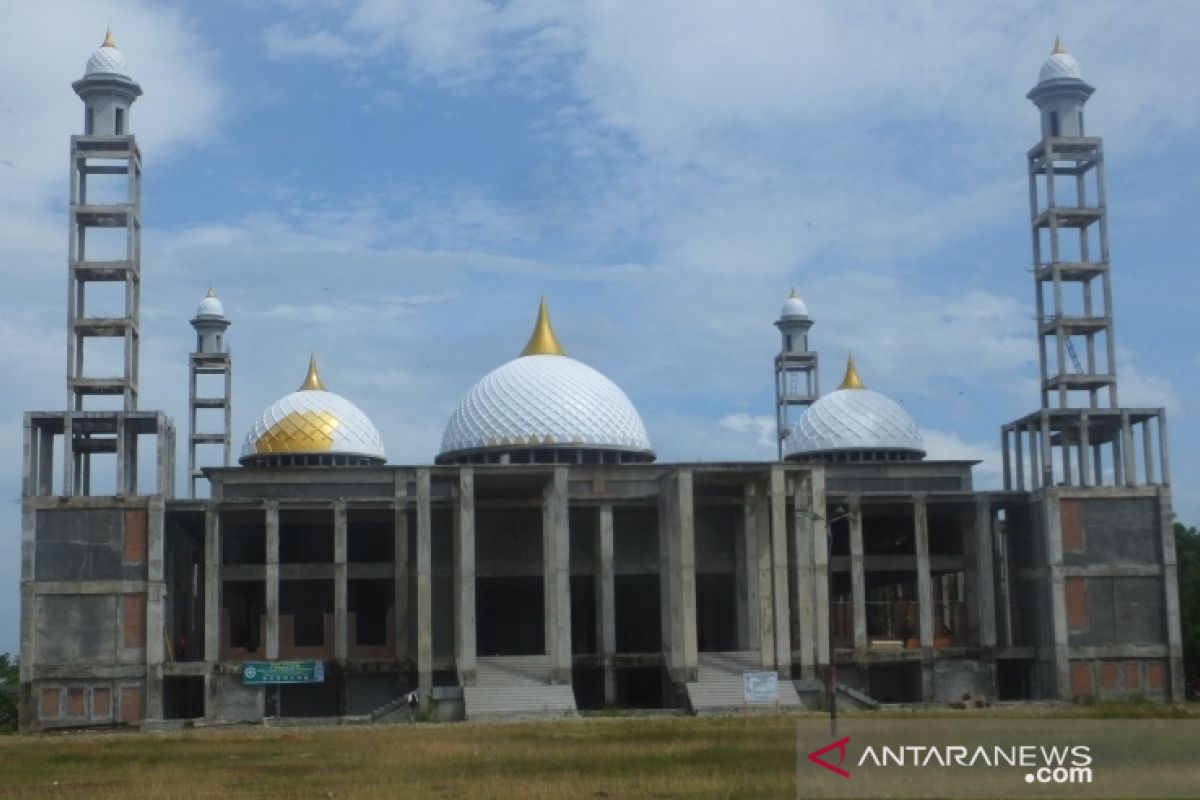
(313, 421)
(107, 60)
(540, 400)
(1060, 64)
(210, 306)
(854, 419)
(794, 307)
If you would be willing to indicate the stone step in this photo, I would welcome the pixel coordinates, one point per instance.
(719, 687)
(519, 702)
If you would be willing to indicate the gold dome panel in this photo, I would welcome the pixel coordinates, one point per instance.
(299, 432)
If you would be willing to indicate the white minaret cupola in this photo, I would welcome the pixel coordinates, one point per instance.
(210, 324)
(795, 366)
(107, 91)
(1060, 95)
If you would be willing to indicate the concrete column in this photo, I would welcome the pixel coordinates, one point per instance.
(464, 577)
(556, 572)
(1052, 525)
(1175, 672)
(424, 567)
(924, 594)
(985, 573)
(741, 583)
(606, 607)
(806, 532)
(858, 577)
(155, 607)
(272, 576)
(759, 627)
(400, 568)
(341, 645)
(779, 573)
(819, 547)
(678, 578)
(212, 583)
(1127, 451)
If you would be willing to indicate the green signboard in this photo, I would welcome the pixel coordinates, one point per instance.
(265, 672)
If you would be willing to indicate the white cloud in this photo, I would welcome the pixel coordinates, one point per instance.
(949, 446)
(759, 427)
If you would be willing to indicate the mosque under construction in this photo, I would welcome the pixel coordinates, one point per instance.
(543, 561)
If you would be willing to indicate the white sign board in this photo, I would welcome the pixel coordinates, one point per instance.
(760, 687)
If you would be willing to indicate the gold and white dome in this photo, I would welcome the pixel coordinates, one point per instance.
(545, 406)
(312, 426)
(108, 60)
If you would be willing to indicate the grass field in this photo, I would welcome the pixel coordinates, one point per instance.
(604, 757)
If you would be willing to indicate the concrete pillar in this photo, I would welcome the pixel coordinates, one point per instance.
(1052, 525)
(464, 577)
(807, 530)
(606, 595)
(858, 577)
(155, 607)
(985, 573)
(1175, 672)
(678, 577)
(400, 568)
(212, 583)
(819, 547)
(1127, 453)
(424, 568)
(756, 532)
(741, 582)
(556, 575)
(272, 576)
(779, 573)
(341, 645)
(924, 594)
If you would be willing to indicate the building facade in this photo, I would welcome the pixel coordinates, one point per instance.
(544, 562)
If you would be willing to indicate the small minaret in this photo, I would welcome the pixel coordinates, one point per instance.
(795, 366)
(105, 162)
(211, 358)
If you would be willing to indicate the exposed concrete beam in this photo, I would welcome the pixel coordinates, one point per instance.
(779, 572)
(401, 570)
(606, 601)
(858, 582)
(556, 572)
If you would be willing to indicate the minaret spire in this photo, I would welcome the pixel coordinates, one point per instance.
(312, 381)
(851, 379)
(795, 367)
(543, 341)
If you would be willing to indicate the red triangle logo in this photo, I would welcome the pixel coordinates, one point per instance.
(840, 745)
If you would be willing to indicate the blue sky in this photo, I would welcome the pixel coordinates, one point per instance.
(393, 184)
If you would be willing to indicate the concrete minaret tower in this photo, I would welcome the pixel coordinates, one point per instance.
(106, 228)
(1070, 245)
(211, 358)
(795, 366)
(1081, 436)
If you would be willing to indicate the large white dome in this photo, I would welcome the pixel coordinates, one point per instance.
(544, 399)
(854, 418)
(313, 421)
(107, 60)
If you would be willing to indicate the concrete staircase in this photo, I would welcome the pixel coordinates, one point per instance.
(516, 687)
(719, 690)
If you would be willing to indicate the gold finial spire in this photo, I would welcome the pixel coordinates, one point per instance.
(851, 381)
(543, 342)
(211, 293)
(312, 382)
(108, 40)
(793, 295)
(1058, 47)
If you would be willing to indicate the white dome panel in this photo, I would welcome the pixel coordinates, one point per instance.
(854, 419)
(210, 307)
(109, 61)
(545, 400)
(794, 307)
(1059, 65)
